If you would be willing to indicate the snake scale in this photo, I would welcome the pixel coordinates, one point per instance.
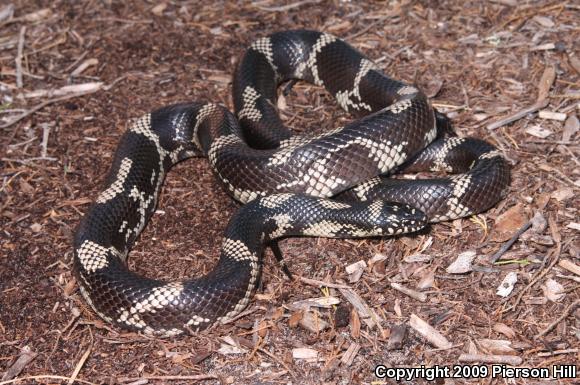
(284, 180)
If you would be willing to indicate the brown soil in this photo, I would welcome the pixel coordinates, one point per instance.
(480, 62)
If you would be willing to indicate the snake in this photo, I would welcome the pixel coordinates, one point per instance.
(336, 184)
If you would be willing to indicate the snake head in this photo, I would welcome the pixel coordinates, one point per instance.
(392, 218)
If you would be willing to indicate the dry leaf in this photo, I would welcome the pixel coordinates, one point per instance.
(37, 15)
(294, 319)
(504, 329)
(158, 9)
(508, 223)
(539, 132)
(497, 346)
(570, 128)
(544, 21)
(429, 332)
(563, 194)
(553, 290)
(462, 264)
(36, 227)
(507, 285)
(231, 346)
(313, 322)
(427, 280)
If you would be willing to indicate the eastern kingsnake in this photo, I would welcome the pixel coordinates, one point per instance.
(283, 179)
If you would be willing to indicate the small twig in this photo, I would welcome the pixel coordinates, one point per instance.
(80, 364)
(317, 283)
(284, 8)
(26, 161)
(562, 142)
(505, 247)
(44, 377)
(199, 377)
(518, 115)
(279, 361)
(365, 29)
(540, 275)
(422, 297)
(557, 352)
(18, 59)
(564, 314)
(491, 359)
(40, 106)
(243, 314)
(429, 332)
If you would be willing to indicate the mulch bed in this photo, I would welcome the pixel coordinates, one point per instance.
(503, 71)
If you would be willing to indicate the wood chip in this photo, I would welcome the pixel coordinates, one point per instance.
(559, 116)
(501, 347)
(367, 315)
(575, 63)
(397, 337)
(355, 271)
(422, 297)
(84, 65)
(543, 47)
(508, 223)
(507, 285)
(39, 15)
(570, 266)
(427, 280)
(571, 127)
(66, 90)
(573, 226)
(504, 329)
(563, 194)
(295, 318)
(424, 258)
(307, 354)
(354, 324)
(429, 333)
(546, 81)
(462, 263)
(6, 12)
(231, 346)
(158, 9)
(24, 358)
(350, 354)
(313, 322)
(543, 21)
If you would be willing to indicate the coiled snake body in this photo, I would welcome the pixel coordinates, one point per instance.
(284, 179)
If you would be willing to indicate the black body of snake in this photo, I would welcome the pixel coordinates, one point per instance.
(286, 180)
